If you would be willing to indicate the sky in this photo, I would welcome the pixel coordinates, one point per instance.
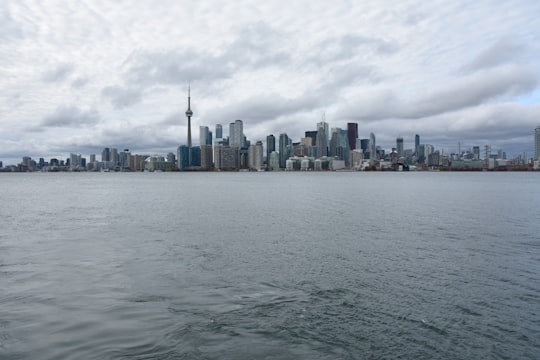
(78, 76)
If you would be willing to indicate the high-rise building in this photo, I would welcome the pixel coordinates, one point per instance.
(537, 143)
(236, 134)
(206, 156)
(372, 147)
(219, 131)
(283, 150)
(114, 156)
(106, 154)
(322, 139)
(476, 152)
(352, 134)
(416, 144)
(74, 161)
(270, 146)
(313, 136)
(204, 136)
(183, 157)
(255, 156)
(399, 146)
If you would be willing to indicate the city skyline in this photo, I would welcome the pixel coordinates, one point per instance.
(84, 76)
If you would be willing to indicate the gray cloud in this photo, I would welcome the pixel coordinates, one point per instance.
(253, 48)
(71, 116)
(59, 73)
(348, 47)
(501, 52)
(122, 97)
(468, 91)
(79, 82)
(474, 90)
(10, 30)
(261, 108)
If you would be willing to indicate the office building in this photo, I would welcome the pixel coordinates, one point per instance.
(352, 135)
(283, 150)
(236, 134)
(205, 136)
(270, 147)
(255, 156)
(399, 146)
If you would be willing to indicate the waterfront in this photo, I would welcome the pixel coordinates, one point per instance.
(269, 265)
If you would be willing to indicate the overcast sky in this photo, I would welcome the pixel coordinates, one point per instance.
(77, 76)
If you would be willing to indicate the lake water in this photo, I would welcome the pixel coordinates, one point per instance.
(269, 265)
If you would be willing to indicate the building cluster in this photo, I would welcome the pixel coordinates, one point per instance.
(324, 148)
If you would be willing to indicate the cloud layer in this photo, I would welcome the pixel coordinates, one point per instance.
(81, 76)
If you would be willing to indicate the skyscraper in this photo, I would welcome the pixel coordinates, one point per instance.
(270, 146)
(352, 134)
(204, 136)
(416, 144)
(537, 143)
(106, 154)
(219, 131)
(322, 139)
(372, 147)
(236, 134)
(399, 146)
(283, 150)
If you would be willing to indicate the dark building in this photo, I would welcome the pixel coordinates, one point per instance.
(364, 145)
(270, 146)
(313, 136)
(283, 150)
(352, 134)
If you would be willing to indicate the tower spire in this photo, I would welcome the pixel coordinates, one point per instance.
(189, 114)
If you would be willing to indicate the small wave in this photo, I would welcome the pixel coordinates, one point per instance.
(433, 328)
(468, 311)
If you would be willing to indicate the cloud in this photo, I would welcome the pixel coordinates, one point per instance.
(474, 90)
(468, 91)
(260, 108)
(253, 49)
(351, 46)
(501, 52)
(122, 97)
(79, 82)
(10, 30)
(71, 116)
(59, 73)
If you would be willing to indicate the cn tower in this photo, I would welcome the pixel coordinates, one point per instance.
(189, 114)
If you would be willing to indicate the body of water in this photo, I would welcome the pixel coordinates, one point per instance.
(269, 265)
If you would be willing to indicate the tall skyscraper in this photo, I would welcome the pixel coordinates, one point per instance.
(236, 134)
(106, 154)
(114, 156)
(322, 139)
(416, 144)
(283, 150)
(352, 134)
(189, 114)
(372, 147)
(204, 136)
(219, 131)
(399, 146)
(270, 146)
(255, 156)
(537, 143)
